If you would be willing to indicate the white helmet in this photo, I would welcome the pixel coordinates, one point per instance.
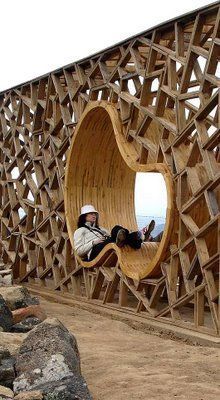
(88, 208)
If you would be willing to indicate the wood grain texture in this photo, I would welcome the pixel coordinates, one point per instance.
(100, 170)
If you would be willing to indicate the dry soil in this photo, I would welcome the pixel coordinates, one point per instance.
(120, 363)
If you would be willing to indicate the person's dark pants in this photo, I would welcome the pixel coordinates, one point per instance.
(132, 239)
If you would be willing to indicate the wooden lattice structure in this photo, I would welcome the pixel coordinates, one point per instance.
(152, 103)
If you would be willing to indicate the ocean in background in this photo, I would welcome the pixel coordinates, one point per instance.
(143, 220)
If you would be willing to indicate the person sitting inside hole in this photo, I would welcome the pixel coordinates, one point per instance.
(90, 238)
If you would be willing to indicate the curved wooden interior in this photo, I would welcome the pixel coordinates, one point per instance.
(132, 262)
(100, 171)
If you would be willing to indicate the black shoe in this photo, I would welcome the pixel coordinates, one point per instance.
(134, 240)
(121, 238)
(151, 227)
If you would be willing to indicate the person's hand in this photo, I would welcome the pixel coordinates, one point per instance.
(97, 241)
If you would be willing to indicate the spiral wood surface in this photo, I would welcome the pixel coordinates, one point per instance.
(100, 171)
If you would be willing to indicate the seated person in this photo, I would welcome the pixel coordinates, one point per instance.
(90, 239)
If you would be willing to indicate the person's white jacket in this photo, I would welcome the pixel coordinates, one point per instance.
(84, 239)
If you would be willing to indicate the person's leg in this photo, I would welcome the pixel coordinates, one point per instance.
(115, 231)
(98, 248)
(147, 231)
(157, 238)
(119, 235)
(134, 240)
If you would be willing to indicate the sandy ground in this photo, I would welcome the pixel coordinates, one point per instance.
(120, 363)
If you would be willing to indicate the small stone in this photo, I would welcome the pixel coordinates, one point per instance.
(37, 371)
(6, 319)
(26, 325)
(33, 395)
(5, 278)
(4, 272)
(6, 392)
(7, 372)
(17, 297)
(4, 353)
(12, 341)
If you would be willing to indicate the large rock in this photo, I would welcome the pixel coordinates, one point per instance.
(6, 319)
(48, 358)
(17, 297)
(6, 393)
(26, 325)
(30, 311)
(7, 371)
(68, 389)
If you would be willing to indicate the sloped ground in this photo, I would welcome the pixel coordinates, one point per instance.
(120, 363)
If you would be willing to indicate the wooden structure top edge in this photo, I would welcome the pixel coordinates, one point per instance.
(187, 16)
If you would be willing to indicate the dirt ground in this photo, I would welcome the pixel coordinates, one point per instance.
(120, 363)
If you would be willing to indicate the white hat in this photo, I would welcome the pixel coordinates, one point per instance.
(88, 208)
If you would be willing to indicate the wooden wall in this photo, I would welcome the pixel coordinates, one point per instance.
(164, 84)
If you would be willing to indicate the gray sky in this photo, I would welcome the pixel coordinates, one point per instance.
(40, 36)
(150, 194)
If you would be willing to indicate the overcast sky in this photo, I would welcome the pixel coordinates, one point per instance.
(42, 35)
(150, 195)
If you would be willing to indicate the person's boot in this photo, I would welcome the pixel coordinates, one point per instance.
(150, 228)
(121, 238)
(134, 240)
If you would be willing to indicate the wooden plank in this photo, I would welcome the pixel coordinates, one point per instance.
(199, 308)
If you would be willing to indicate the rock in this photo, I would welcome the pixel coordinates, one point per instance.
(4, 353)
(6, 319)
(26, 325)
(7, 280)
(6, 393)
(48, 358)
(52, 344)
(67, 389)
(17, 297)
(6, 277)
(7, 372)
(30, 311)
(33, 395)
(4, 272)
(12, 341)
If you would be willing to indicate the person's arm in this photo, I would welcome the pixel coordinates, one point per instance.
(82, 245)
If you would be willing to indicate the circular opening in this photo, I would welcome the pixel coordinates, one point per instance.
(150, 200)
(100, 171)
